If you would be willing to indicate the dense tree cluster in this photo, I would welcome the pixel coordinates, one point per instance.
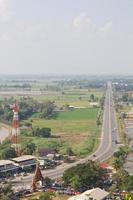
(120, 156)
(6, 151)
(28, 107)
(30, 148)
(5, 109)
(9, 152)
(37, 132)
(122, 181)
(47, 109)
(41, 132)
(81, 83)
(22, 86)
(83, 176)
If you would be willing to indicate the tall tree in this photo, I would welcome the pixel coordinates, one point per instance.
(8, 152)
(47, 109)
(30, 148)
(92, 97)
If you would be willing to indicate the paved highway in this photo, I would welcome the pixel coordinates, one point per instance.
(110, 136)
(108, 145)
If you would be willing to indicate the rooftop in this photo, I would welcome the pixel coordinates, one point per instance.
(6, 162)
(46, 151)
(104, 165)
(96, 193)
(23, 158)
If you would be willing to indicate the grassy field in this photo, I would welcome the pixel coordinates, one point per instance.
(77, 98)
(76, 129)
(79, 114)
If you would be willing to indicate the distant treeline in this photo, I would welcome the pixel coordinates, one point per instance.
(15, 86)
(83, 83)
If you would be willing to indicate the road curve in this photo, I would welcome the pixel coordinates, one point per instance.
(107, 146)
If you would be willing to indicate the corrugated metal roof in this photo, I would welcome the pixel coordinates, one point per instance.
(6, 162)
(96, 193)
(23, 158)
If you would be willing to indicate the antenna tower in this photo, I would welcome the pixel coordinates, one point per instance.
(15, 135)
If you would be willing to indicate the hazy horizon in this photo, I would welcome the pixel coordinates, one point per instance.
(48, 37)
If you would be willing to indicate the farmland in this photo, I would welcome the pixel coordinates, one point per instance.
(76, 129)
(79, 98)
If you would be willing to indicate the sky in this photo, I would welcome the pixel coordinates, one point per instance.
(66, 37)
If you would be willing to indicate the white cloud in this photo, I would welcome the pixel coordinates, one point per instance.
(106, 28)
(81, 20)
(83, 23)
(5, 10)
(84, 46)
(34, 32)
(4, 37)
(23, 32)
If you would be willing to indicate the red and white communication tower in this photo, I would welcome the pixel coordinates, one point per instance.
(15, 136)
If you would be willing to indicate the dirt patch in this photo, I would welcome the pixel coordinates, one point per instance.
(73, 138)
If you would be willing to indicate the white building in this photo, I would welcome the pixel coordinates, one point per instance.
(93, 194)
